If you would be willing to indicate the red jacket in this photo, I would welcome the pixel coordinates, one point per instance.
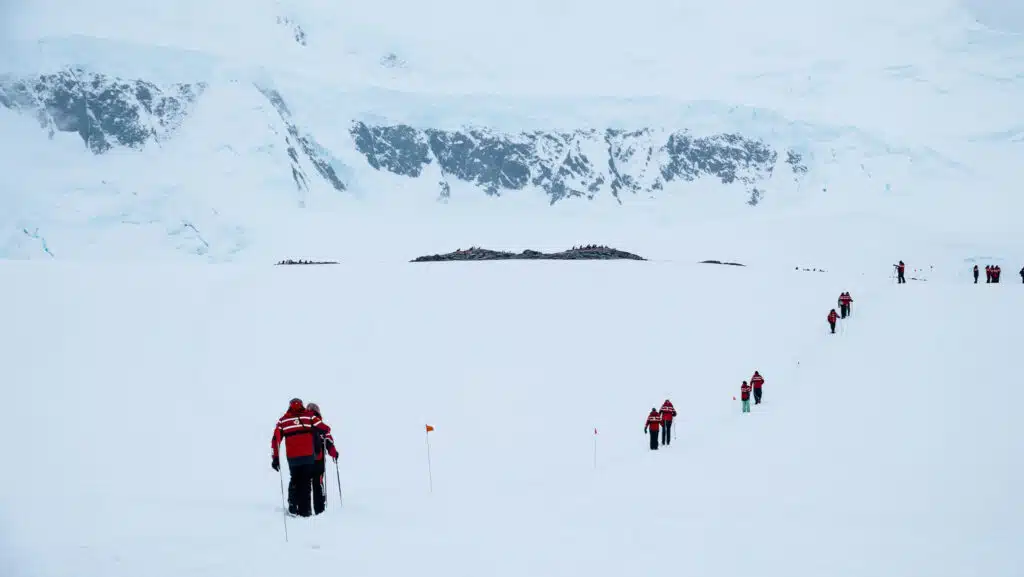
(298, 431)
(667, 411)
(846, 299)
(832, 316)
(745, 392)
(757, 381)
(653, 422)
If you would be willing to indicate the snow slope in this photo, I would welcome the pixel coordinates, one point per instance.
(887, 449)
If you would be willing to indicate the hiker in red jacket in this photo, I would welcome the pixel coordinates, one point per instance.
(323, 446)
(298, 429)
(900, 269)
(757, 381)
(975, 274)
(848, 303)
(745, 396)
(668, 412)
(832, 318)
(996, 272)
(652, 426)
(988, 274)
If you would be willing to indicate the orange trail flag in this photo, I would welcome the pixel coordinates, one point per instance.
(430, 474)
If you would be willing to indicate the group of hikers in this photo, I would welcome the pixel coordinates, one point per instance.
(993, 272)
(755, 385)
(660, 421)
(306, 438)
(845, 302)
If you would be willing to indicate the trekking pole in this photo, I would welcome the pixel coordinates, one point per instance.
(337, 475)
(284, 506)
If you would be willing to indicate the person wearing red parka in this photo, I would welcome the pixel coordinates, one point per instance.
(832, 318)
(757, 381)
(652, 426)
(298, 429)
(668, 412)
(745, 396)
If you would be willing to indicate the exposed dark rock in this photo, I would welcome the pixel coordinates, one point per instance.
(721, 262)
(396, 149)
(755, 196)
(300, 261)
(317, 155)
(105, 111)
(563, 164)
(592, 252)
(795, 161)
(298, 34)
(391, 60)
(726, 156)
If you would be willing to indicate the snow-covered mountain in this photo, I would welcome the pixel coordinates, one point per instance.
(119, 126)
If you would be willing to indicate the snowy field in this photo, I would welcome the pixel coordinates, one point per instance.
(147, 398)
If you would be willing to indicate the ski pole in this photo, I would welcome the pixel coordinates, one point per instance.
(337, 475)
(284, 506)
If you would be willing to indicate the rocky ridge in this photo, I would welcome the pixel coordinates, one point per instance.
(591, 252)
(571, 164)
(105, 111)
(109, 112)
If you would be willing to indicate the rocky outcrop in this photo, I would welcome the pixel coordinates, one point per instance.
(578, 163)
(105, 111)
(592, 252)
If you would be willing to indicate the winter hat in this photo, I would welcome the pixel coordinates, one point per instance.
(295, 404)
(314, 407)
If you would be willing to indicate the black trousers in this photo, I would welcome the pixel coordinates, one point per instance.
(319, 487)
(757, 396)
(299, 489)
(833, 325)
(975, 278)
(900, 279)
(844, 311)
(666, 432)
(654, 439)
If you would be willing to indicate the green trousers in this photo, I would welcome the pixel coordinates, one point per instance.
(746, 405)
